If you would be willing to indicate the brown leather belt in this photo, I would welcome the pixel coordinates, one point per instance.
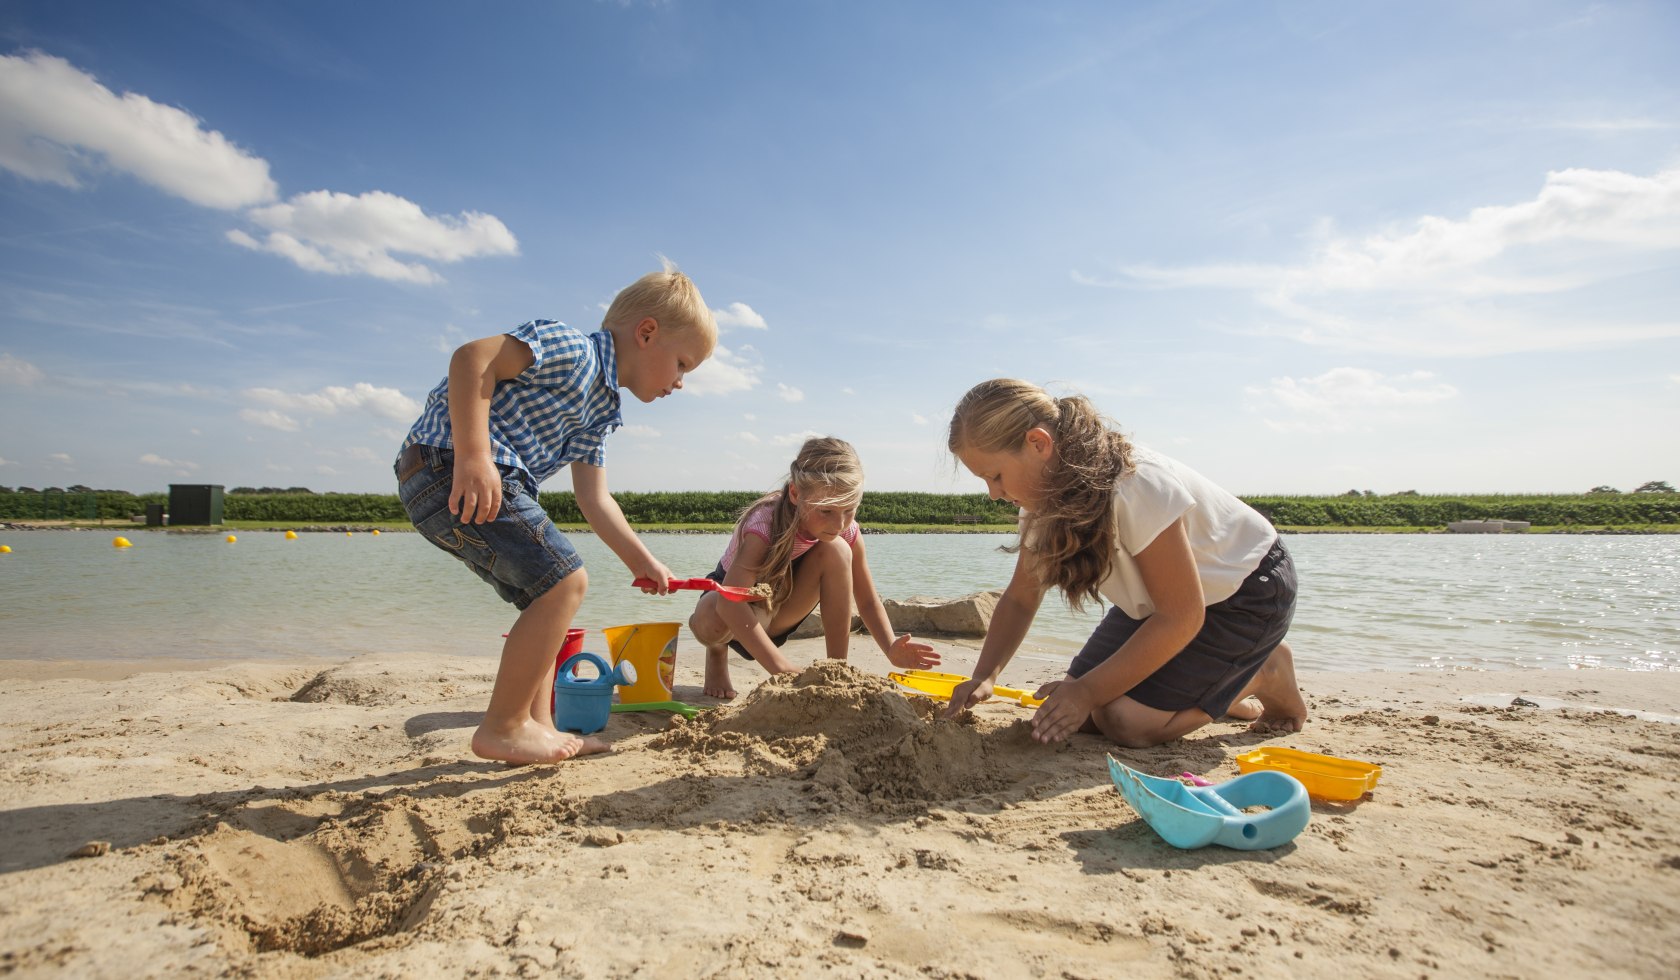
(410, 461)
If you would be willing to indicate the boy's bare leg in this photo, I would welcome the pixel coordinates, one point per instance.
(1247, 709)
(509, 733)
(713, 633)
(1282, 709)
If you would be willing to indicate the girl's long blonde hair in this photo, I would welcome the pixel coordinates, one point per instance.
(1071, 543)
(826, 472)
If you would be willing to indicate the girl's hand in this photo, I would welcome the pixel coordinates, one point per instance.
(1066, 706)
(966, 695)
(475, 492)
(910, 655)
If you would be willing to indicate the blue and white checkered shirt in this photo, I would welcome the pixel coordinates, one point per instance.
(557, 412)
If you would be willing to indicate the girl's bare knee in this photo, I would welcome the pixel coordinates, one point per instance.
(836, 554)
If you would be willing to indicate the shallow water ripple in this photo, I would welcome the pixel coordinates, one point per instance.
(1368, 602)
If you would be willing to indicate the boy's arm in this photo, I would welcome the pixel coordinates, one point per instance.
(589, 485)
(474, 371)
(901, 651)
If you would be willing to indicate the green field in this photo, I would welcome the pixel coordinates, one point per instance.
(702, 511)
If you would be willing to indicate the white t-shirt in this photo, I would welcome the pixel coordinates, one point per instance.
(1227, 537)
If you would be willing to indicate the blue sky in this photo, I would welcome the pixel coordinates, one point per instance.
(1305, 247)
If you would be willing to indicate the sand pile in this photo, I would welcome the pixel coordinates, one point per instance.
(309, 874)
(857, 737)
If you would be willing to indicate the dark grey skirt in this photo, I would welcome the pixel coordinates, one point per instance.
(1237, 636)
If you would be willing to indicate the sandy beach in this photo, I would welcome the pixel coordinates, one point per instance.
(327, 820)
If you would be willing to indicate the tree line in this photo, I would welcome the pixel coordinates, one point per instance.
(1352, 509)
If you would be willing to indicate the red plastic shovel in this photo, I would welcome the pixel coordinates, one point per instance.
(733, 593)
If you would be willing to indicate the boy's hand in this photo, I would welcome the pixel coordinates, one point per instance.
(660, 575)
(910, 655)
(966, 695)
(1066, 706)
(475, 495)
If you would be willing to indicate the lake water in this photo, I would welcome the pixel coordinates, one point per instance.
(1368, 602)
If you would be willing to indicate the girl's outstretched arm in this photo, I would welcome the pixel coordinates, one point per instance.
(1169, 573)
(1015, 611)
(901, 651)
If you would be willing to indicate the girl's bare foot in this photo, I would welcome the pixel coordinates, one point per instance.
(531, 742)
(1282, 709)
(1248, 709)
(718, 682)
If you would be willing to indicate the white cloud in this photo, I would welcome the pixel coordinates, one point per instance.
(848, 390)
(725, 372)
(750, 438)
(788, 393)
(918, 419)
(1346, 398)
(15, 371)
(386, 403)
(62, 458)
(269, 419)
(451, 338)
(638, 431)
(739, 315)
(344, 234)
(153, 459)
(6, 462)
(57, 123)
(794, 438)
(1494, 281)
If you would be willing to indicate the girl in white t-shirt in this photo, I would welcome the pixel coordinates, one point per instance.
(1203, 590)
(802, 546)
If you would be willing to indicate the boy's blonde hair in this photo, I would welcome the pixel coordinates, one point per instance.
(827, 472)
(1071, 543)
(668, 296)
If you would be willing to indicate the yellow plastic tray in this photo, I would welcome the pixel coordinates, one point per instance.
(1325, 776)
(937, 685)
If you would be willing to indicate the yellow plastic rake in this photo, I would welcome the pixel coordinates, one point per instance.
(939, 686)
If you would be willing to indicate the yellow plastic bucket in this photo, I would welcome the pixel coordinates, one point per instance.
(652, 649)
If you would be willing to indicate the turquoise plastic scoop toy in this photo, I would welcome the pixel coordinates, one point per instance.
(1188, 817)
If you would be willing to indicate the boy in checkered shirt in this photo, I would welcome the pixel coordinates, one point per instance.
(515, 409)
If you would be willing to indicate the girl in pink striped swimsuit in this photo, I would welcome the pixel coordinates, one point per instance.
(800, 544)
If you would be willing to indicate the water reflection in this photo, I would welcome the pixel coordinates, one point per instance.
(1367, 602)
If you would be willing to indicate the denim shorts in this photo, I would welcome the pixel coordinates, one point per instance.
(521, 553)
(1237, 636)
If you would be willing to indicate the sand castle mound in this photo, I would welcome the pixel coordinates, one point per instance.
(855, 734)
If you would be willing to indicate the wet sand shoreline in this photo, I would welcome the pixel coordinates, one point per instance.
(824, 827)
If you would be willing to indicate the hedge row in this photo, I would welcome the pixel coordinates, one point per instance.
(700, 507)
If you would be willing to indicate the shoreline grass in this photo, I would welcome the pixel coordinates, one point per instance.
(402, 527)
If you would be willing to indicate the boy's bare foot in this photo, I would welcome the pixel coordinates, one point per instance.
(531, 742)
(718, 683)
(1248, 709)
(1282, 709)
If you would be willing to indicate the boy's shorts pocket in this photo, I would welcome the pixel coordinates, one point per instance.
(461, 540)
